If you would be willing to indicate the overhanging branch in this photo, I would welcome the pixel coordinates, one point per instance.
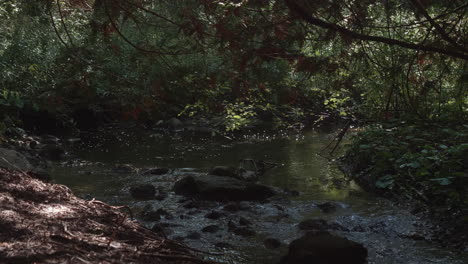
(355, 35)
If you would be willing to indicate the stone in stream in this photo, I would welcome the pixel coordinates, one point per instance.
(148, 214)
(161, 195)
(156, 171)
(193, 235)
(219, 188)
(210, 229)
(240, 231)
(223, 245)
(52, 152)
(324, 248)
(223, 171)
(174, 124)
(143, 192)
(123, 168)
(214, 215)
(244, 221)
(271, 243)
(244, 232)
(327, 207)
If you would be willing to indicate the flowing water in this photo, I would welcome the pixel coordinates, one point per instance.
(391, 234)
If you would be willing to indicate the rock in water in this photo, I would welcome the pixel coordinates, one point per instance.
(156, 171)
(223, 171)
(220, 188)
(324, 248)
(174, 124)
(143, 192)
(53, 152)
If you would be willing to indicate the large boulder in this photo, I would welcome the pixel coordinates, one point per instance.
(143, 192)
(14, 160)
(223, 171)
(324, 248)
(220, 188)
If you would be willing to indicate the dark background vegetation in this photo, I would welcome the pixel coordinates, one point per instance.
(398, 65)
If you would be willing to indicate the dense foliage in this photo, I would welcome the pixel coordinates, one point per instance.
(427, 162)
(282, 61)
(143, 59)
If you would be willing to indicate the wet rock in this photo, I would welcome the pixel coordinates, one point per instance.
(123, 168)
(358, 229)
(223, 171)
(163, 212)
(271, 243)
(193, 235)
(244, 221)
(324, 248)
(52, 152)
(174, 124)
(156, 171)
(210, 229)
(157, 228)
(221, 188)
(247, 175)
(179, 238)
(191, 205)
(161, 195)
(187, 187)
(319, 225)
(327, 207)
(223, 245)
(49, 139)
(244, 232)
(148, 214)
(214, 215)
(14, 160)
(143, 192)
(232, 207)
(231, 226)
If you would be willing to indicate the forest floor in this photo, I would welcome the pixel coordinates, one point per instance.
(46, 223)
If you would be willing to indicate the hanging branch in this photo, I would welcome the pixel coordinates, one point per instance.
(438, 28)
(355, 35)
(63, 22)
(114, 25)
(49, 9)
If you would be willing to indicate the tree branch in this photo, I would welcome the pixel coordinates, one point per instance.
(355, 35)
(439, 29)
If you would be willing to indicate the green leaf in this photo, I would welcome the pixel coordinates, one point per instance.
(442, 181)
(414, 165)
(385, 182)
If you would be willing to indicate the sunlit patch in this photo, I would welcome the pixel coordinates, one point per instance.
(55, 210)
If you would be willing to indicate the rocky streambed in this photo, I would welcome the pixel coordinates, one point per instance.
(305, 199)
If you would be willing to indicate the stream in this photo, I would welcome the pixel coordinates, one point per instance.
(391, 234)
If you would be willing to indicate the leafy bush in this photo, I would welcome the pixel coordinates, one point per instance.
(424, 161)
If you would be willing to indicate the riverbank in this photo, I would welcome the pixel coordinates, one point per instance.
(45, 223)
(425, 164)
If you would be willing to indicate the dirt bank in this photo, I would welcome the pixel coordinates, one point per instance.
(46, 223)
